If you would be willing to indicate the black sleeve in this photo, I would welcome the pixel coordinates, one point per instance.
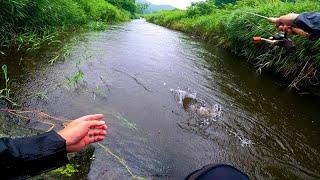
(25, 157)
(309, 22)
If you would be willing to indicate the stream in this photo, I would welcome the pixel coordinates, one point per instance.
(145, 78)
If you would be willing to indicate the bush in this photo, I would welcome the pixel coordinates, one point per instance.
(100, 10)
(200, 9)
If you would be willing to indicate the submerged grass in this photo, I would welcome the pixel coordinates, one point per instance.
(74, 79)
(44, 95)
(125, 122)
(122, 162)
(230, 27)
(97, 25)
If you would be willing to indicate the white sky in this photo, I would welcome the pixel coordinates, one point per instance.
(182, 4)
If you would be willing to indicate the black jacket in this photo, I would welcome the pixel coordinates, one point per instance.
(309, 22)
(21, 158)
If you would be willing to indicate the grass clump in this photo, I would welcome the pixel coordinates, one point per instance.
(75, 78)
(68, 170)
(97, 26)
(230, 27)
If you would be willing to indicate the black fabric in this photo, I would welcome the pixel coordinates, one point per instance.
(24, 157)
(217, 172)
(309, 22)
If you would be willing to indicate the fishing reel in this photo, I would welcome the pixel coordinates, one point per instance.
(280, 39)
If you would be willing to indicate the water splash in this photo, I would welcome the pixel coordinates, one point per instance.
(197, 106)
(181, 94)
(244, 141)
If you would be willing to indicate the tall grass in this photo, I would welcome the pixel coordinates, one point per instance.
(27, 22)
(230, 27)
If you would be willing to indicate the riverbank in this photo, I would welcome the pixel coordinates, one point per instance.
(27, 25)
(231, 28)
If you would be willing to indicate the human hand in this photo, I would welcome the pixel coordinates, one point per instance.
(284, 23)
(84, 131)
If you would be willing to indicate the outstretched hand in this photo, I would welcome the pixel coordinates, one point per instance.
(84, 131)
(284, 23)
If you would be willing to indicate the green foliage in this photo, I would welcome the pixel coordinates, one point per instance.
(97, 25)
(75, 78)
(199, 9)
(28, 23)
(100, 10)
(142, 7)
(230, 27)
(221, 3)
(67, 170)
(128, 5)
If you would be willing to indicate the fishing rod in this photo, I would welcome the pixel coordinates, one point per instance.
(280, 39)
(273, 20)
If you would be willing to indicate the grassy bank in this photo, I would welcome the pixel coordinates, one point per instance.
(27, 23)
(230, 27)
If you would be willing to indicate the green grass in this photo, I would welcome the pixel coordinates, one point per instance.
(44, 95)
(229, 27)
(68, 170)
(76, 78)
(5, 92)
(97, 25)
(26, 24)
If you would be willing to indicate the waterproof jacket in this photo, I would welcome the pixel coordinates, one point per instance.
(309, 22)
(21, 158)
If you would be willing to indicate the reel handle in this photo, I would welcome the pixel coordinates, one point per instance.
(296, 30)
(257, 39)
(300, 32)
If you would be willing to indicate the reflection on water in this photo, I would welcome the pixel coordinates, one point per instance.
(223, 113)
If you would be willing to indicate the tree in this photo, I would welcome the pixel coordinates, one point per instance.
(200, 8)
(141, 7)
(128, 5)
(221, 3)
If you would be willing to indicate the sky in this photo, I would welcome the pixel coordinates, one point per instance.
(182, 4)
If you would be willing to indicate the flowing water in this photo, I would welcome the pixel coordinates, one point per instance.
(139, 75)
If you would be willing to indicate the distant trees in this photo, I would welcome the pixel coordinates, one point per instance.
(141, 7)
(220, 3)
(206, 7)
(200, 8)
(128, 5)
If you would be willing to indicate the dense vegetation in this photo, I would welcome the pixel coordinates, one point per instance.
(128, 5)
(28, 22)
(230, 27)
